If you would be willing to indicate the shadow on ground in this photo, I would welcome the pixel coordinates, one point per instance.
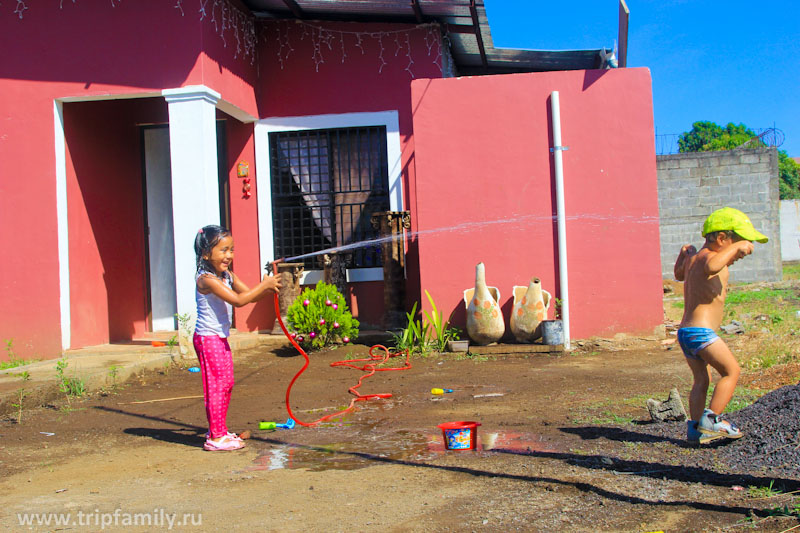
(189, 437)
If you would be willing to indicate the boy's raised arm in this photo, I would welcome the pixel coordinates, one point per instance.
(727, 256)
(687, 251)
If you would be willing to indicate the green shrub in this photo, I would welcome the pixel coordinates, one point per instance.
(13, 360)
(71, 386)
(319, 317)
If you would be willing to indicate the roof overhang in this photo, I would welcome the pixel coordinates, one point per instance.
(464, 23)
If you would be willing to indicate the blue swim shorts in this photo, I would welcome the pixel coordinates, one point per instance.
(692, 340)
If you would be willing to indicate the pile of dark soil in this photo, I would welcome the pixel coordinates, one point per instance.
(770, 446)
(772, 433)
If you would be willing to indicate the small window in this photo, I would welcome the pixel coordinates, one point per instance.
(326, 184)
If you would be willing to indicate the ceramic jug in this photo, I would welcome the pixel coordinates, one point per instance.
(485, 323)
(530, 309)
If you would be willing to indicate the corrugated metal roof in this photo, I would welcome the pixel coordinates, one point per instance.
(473, 52)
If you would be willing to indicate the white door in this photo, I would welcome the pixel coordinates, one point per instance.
(161, 245)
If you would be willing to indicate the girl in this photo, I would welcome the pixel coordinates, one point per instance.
(218, 288)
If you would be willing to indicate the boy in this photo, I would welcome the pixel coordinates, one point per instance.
(729, 235)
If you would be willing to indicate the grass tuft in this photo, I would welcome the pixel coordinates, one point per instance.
(743, 397)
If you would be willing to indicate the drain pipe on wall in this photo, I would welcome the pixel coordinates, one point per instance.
(563, 278)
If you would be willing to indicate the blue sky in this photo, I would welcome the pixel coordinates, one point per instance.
(723, 61)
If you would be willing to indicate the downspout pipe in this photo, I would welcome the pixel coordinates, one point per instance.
(563, 277)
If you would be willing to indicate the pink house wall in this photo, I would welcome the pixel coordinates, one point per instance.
(225, 63)
(244, 226)
(30, 314)
(482, 156)
(87, 49)
(294, 85)
(92, 57)
(84, 51)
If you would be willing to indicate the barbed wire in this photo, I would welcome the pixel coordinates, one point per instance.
(667, 143)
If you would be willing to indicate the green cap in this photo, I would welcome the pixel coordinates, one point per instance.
(730, 219)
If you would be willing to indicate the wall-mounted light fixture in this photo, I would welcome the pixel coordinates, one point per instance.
(243, 171)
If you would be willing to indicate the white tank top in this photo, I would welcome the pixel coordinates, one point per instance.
(213, 313)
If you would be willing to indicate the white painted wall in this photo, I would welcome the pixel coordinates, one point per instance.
(790, 230)
(264, 127)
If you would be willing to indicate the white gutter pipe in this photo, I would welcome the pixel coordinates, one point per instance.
(563, 278)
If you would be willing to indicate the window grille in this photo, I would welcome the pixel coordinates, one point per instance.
(326, 184)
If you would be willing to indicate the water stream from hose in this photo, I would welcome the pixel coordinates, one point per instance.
(467, 227)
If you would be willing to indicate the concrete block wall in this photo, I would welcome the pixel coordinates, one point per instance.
(692, 185)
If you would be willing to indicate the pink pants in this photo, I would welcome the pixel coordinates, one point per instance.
(216, 365)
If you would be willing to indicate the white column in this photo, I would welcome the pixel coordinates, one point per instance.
(195, 178)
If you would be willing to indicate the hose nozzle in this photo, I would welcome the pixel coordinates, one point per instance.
(272, 267)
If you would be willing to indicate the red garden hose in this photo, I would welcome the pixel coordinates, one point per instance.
(374, 361)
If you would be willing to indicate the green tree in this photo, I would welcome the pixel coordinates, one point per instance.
(706, 136)
(789, 171)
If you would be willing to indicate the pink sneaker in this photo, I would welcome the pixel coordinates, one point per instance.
(231, 435)
(226, 444)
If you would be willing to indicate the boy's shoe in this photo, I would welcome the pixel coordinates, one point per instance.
(225, 444)
(694, 436)
(712, 424)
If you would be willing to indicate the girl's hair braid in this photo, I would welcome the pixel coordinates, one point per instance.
(206, 239)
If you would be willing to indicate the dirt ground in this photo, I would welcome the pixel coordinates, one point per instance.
(563, 447)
